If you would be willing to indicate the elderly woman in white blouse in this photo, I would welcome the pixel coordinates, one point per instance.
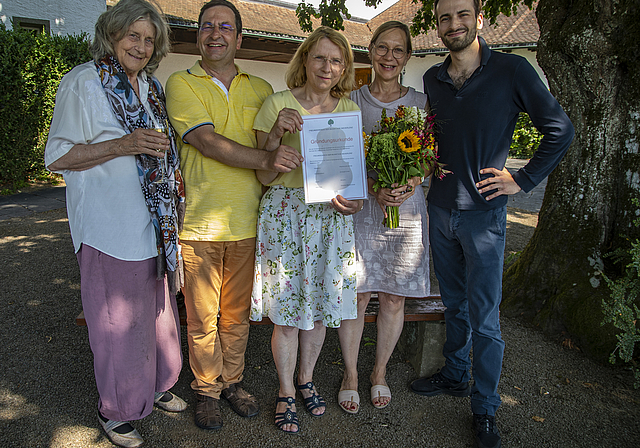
(124, 192)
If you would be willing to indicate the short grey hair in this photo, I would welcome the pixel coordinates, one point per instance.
(113, 24)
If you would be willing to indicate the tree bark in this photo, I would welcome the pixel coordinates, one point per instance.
(589, 52)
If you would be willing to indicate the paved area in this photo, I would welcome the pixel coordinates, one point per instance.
(531, 201)
(32, 201)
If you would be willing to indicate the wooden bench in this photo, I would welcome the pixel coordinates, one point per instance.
(421, 340)
(422, 309)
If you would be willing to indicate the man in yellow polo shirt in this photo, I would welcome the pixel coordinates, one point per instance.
(212, 107)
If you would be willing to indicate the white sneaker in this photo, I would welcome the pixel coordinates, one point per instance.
(129, 439)
(169, 402)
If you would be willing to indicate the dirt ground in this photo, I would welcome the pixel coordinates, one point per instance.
(552, 396)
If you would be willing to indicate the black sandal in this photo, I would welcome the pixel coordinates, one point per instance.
(287, 417)
(314, 401)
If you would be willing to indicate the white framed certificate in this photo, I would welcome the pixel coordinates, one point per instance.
(333, 149)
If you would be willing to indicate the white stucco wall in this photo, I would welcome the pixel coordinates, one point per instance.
(272, 72)
(64, 16)
(269, 71)
(172, 63)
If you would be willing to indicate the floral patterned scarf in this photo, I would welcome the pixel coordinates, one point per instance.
(165, 201)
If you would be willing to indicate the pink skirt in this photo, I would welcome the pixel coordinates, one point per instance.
(134, 332)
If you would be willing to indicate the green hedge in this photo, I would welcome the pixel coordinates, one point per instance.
(526, 139)
(31, 67)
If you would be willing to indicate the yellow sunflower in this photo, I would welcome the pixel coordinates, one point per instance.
(408, 141)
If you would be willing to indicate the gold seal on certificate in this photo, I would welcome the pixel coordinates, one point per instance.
(333, 151)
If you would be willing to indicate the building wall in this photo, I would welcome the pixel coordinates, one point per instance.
(269, 71)
(64, 16)
(272, 72)
(417, 66)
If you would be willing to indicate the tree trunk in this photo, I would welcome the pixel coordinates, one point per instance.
(589, 52)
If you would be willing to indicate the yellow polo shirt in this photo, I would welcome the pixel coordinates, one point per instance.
(222, 201)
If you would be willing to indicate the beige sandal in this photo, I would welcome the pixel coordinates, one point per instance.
(349, 395)
(379, 391)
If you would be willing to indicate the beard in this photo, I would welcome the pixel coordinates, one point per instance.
(460, 43)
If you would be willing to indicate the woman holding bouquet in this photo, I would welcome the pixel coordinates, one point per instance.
(305, 276)
(392, 262)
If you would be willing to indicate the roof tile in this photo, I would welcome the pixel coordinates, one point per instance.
(263, 16)
(518, 29)
(280, 18)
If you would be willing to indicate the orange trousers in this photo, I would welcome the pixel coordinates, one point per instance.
(217, 290)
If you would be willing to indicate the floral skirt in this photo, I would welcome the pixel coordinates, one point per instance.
(305, 262)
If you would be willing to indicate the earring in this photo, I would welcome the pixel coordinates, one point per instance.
(404, 70)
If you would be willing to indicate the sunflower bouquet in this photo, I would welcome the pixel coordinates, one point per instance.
(403, 148)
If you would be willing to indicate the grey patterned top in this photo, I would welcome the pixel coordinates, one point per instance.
(394, 261)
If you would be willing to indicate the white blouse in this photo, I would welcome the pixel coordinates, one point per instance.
(105, 204)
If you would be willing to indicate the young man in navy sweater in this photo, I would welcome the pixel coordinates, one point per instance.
(477, 95)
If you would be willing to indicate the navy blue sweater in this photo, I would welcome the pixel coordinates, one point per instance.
(476, 124)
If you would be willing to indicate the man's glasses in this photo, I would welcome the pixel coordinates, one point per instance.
(382, 50)
(224, 28)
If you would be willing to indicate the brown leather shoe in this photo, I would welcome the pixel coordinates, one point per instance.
(243, 403)
(208, 415)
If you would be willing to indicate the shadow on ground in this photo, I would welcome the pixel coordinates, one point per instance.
(552, 396)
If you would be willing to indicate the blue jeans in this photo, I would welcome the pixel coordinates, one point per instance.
(468, 257)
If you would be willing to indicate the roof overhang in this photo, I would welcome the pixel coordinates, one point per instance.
(256, 45)
(443, 51)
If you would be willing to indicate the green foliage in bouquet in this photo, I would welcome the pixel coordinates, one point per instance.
(403, 148)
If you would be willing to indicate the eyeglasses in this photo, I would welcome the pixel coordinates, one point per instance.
(382, 50)
(322, 61)
(224, 28)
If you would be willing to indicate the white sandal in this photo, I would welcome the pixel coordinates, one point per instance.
(175, 404)
(379, 391)
(130, 439)
(349, 395)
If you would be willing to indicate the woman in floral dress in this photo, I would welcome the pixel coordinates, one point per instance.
(305, 277)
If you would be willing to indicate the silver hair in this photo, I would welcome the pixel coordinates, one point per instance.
(113, 24)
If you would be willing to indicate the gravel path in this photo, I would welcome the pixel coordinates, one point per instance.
(553, 396)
